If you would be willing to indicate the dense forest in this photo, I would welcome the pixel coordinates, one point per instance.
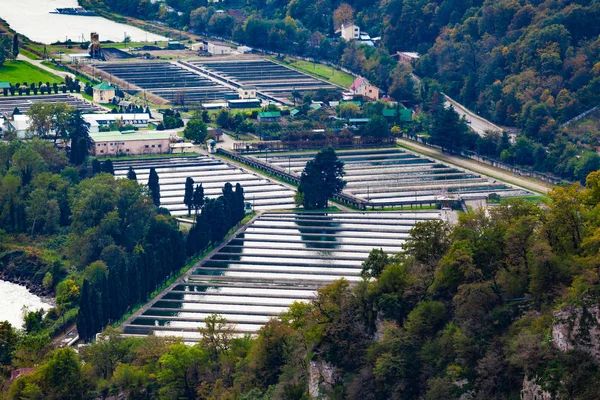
(502, 299)
(526, 64)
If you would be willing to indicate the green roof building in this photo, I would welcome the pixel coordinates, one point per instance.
(269, 116)
(405, 114)
(103, 92)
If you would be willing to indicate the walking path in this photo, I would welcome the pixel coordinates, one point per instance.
(527, 183)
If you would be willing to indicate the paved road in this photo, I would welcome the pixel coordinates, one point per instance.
(479, 124)
(525, 182)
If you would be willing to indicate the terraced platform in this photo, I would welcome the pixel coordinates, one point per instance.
(23, 103)
(275, 80)
(278, 259)
(169, 81)
(213, 173)
(393, 177)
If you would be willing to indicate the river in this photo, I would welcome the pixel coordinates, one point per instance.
(32, 18)
(13, 298)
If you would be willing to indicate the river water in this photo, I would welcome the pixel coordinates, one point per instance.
(13, 298)
(32, 18)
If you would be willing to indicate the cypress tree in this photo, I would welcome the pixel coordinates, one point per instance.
(84, 322)
(78, 131)
(154, 187)
(240, 209)
(15, 50)
(198, 198)
(188, 197)
(96, 166)
(107, 167)
(131, 174)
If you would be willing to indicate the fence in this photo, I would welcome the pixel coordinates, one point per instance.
(336, 143)
(580, 116)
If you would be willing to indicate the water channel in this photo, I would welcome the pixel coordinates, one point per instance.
(33, 19)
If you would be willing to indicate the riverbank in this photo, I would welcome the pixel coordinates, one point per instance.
(35, 288)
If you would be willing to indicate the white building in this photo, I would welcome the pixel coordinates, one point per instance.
(19, 126)
(349, 32)
(98, 120)
(247, 92)
(218, 49)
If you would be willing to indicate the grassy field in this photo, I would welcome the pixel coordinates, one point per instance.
(22, 71)
(321, 71)
(121, 45)
(28, 54)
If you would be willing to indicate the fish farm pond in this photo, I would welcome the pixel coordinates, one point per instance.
(279, 258)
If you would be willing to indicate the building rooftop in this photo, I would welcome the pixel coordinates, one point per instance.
(123, 137)
(405, 114)
(269, 114)
(104, 86)
(357, 82)
(410, 54)
(113, 117)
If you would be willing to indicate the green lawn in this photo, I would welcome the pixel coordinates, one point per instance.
(121, 45)
(321, 71)
(22, 71)
(28, 54)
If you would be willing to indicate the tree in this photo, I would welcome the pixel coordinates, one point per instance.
(195, 130)
(447, 130)
(131, 174)
(216, 335)
(198, 198)
(107, 167)
(61, 377)
(321, 179)
(8, 342)
(377, 127)
(15, 49)
(78, 131)
(344, 14)
(428, 241)
(374, 265)
(154, 187)
(188, 197)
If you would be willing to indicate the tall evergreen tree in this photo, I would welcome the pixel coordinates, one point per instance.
(96, 166)
(78, 132)
(15, 49)
(239, 203)
(198, 198)
(131, 174)
(188, 197)
(321, 179)
(154, 187)
(107, 167)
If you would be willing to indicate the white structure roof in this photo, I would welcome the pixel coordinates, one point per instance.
(114, 117)
(410, 54)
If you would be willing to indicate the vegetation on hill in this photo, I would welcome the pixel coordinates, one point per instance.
(464, 311)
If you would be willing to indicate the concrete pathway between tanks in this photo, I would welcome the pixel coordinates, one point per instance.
(534, 185)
